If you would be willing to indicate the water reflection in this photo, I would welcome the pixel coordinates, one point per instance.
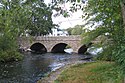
(33, 67)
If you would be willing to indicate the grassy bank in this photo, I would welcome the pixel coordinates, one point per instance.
(96, 72)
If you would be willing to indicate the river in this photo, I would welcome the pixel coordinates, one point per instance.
(34, 66)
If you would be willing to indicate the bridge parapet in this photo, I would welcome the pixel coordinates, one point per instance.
(58, 38)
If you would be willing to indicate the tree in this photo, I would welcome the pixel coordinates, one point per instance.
(108, 13)
(12, 22)
(76, 30)
(41, 21)
(17, 17)
(109, 17)
(69, 30)
(32, 15)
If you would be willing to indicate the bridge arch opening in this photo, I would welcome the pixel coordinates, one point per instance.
(38, 48)
(82, 49)
(59, 48)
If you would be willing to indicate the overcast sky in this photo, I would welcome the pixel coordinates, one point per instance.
(71, 21)
(64, 23)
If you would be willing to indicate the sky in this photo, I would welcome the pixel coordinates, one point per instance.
(71, 21)
(64, 23)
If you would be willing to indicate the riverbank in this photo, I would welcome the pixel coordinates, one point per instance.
(50, 78)
(95, 72)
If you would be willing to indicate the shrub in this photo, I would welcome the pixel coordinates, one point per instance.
(10, 55)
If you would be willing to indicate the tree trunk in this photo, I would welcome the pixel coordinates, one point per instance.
(123, 12)
(123, 16)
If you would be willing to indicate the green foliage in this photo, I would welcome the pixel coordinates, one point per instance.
(75, 5)
(111, 20)
(10, 55)
(106, 55)
(119, 53)
(76, 30)
(92, 35)
(16, 19)
(8, 48)
(69, 30)
(31, 16)
(11, 25)
(108, 15)
(41, 21)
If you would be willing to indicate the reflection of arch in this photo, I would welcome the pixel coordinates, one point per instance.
(38, 48)
(59, 48)
(82, 49)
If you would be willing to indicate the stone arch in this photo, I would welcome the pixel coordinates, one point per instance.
(38, 48)
(82, 49)
(59, 48)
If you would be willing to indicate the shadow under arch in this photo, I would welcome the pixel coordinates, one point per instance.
(84, 48)
(38, 48)
(59, 48)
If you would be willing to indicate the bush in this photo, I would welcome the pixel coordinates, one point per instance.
(10, 55)
(106, 54)
(8, 48)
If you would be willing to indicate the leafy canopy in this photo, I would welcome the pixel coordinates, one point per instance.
(76, 30)
(18, 17)
(109, 14)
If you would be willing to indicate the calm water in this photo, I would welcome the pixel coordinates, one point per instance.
(34, 67)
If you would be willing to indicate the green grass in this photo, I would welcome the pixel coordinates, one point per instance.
(96, 72)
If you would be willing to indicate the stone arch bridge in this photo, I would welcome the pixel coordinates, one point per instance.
(52, 44)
